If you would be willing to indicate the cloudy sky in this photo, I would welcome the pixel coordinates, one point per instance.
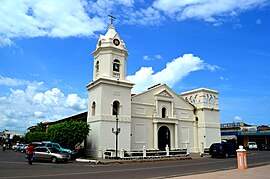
(46, 60)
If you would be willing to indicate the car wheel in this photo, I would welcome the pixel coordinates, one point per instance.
(69, 157)
(54, 159)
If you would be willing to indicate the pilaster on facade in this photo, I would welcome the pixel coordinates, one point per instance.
(176, 136)
(155, 136)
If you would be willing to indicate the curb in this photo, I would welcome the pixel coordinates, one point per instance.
(87, 161)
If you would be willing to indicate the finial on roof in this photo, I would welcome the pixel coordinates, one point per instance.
(112, 18)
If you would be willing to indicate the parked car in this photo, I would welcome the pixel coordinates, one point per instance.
(16, 146)
(23, 147)
(37, 144)
(50, 154)
(263, 146)
(252, 145)
(58, 146)
(223, 149)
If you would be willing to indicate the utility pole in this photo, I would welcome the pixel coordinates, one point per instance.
(116, 131)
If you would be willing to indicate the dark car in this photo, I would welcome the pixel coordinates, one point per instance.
(224, 149)
(263, 146)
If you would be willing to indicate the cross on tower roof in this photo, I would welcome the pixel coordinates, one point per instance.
(112, 18)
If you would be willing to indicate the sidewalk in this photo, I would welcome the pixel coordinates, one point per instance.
(111, 161)
(262, 172)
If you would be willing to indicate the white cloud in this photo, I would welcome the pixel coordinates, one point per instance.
(208, 10)
(75, 102)
(173, 73)
(258, 21)
(24, 107)
(80, 18)
(147, 16)
(238, 118)
(6, 81)
(146, 57)
(155, 57)
(4, 41)
(212, 67)
(223, 78)
(158, 56)
(39, 114)
(46, 18)
(50, 98)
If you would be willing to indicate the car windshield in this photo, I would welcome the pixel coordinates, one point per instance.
(54, 150)
(251, 143)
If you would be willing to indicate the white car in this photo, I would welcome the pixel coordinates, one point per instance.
(50, 154)
(252, 145)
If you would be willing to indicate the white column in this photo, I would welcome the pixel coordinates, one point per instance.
(176, 136)
(196, 139)
(155, 136)
(172, 114)
(157, 107)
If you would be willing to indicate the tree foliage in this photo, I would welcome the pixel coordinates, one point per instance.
(35, 137)
(41, 127)
(68, 133)
(16, 138)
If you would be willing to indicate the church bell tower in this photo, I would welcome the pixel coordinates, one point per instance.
(109, 95)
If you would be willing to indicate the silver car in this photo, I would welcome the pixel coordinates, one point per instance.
(50, 154)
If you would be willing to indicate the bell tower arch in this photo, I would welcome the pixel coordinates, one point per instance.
(110, 56)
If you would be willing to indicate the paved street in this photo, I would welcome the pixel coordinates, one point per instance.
(13, 165)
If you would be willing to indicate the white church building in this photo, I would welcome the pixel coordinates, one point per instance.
(152, 119)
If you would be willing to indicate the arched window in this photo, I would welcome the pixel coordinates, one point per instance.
(116, 65)
(93, 108)
(115, 109)
(97, 67)
(163, 112)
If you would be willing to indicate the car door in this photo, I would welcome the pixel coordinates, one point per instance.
(57, 146)
(40, 153)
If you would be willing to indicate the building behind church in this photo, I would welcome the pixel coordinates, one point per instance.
(152, 119)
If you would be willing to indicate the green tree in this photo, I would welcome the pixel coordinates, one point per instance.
(40, 127)
(68, 133)
(35, 137)
(16, 138)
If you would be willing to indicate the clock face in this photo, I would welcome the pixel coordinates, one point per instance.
(116, 42)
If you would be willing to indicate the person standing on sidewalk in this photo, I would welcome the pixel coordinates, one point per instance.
(30, 151)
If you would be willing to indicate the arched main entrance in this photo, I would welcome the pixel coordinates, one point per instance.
(163, 137)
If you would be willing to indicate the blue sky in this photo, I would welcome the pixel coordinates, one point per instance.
(46, 60)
